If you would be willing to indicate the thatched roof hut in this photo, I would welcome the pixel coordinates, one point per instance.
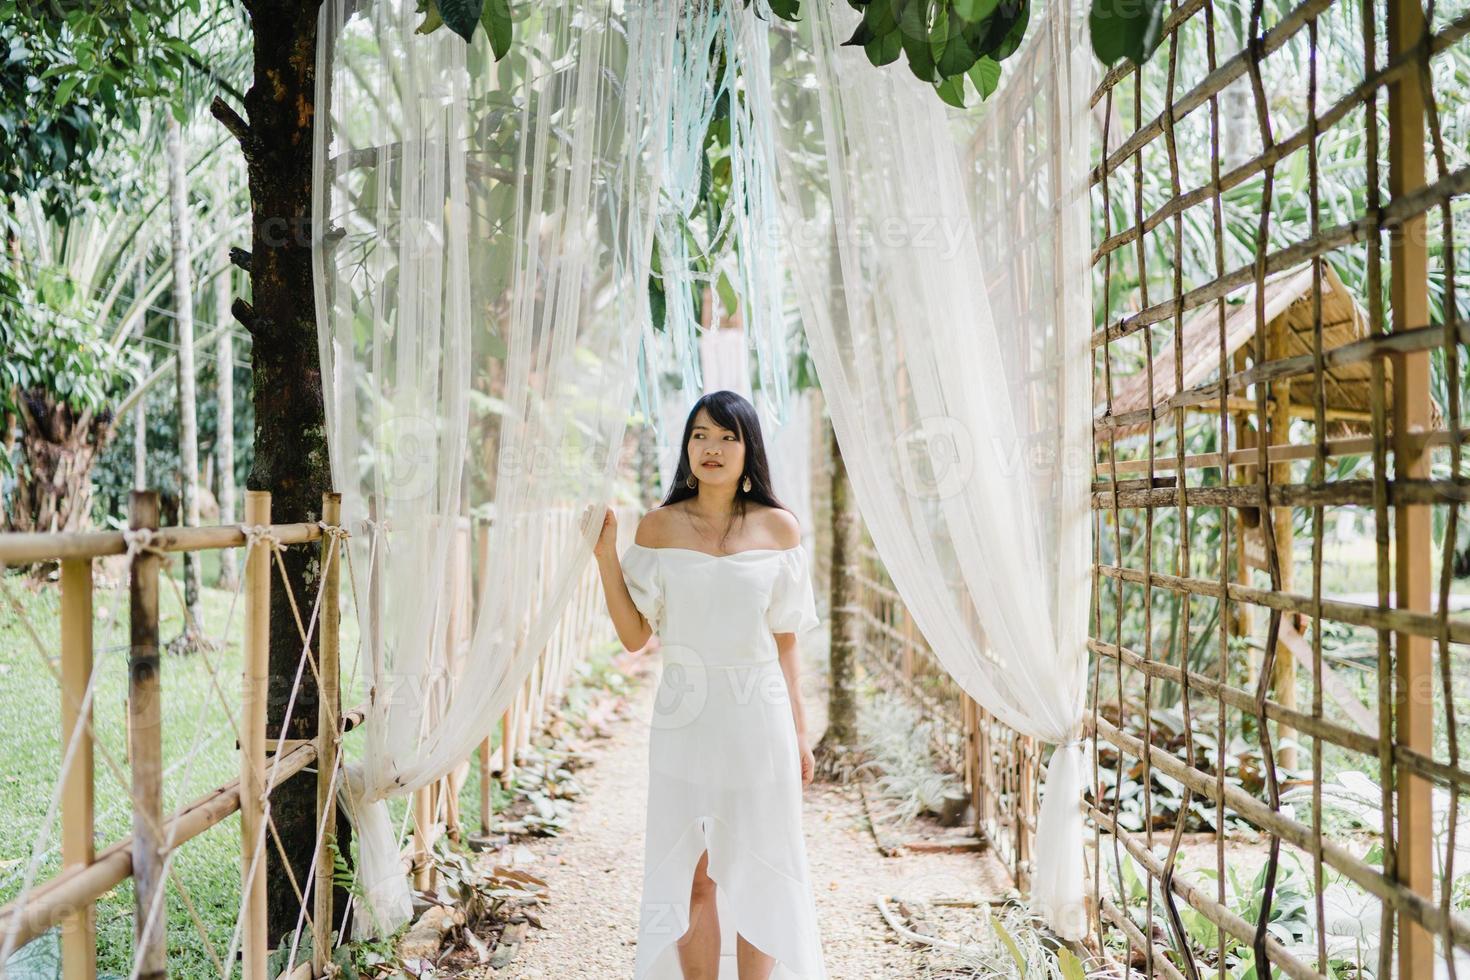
(1288, 318)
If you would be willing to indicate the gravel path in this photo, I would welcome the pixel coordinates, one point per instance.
(594, 868)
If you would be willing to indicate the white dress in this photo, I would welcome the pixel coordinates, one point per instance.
(724, 773)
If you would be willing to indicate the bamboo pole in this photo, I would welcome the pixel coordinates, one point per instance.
(255, 681)
(1409, 295)
(1283, 664)
(79, 928)
(507, 740)
(28, 548)
(423, 818)
(329, 708)
(146, 746)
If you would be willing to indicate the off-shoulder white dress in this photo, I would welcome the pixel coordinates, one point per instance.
(724, 773)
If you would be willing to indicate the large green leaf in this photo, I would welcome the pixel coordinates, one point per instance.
(956, 57)
(914, 33)
(1015, 35)
(986, 75)
(496, 17)
(461, 16)
(974, 11)
(1125, 29)
(884, 50)
(952, 90)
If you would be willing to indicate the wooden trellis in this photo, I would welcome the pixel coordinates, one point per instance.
(1239, 438)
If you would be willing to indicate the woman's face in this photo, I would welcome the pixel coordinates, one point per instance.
(716, 454)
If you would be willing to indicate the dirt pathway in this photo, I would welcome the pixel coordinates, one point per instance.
(594, 869)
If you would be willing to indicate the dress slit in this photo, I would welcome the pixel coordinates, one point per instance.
(732, 908)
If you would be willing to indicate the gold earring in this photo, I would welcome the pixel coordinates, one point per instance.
(689, 481)
(745, 484)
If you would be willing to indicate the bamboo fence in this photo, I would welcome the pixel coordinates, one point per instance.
(1277, 451)
(999, 767)
(67, 900)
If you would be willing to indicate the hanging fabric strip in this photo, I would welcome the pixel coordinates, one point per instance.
(943, 281)
(483, 232)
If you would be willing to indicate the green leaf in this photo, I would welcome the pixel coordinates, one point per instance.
(498, 25)
(862, 35)
(956, 57)
(884, 50)
(657, 303)
(985, 73)
(920, 54)
(432, 20)
(786, 9)
(726, 290)
(64, 90)
(1010, 944)
(1015, 35)
(967, 9)
(1125, 29)
(461, 16)
(1070, 964)
(952, 90)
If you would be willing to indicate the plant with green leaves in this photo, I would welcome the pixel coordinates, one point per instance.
(943, 42)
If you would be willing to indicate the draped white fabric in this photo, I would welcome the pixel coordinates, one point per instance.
(482, 240)
(951, 339)
(484, 234)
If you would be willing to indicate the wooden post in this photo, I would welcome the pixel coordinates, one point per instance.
(79, 928)
(255, 681)
(146, 745)
(423, 821)
(1283, 667)
(329, 709)
(507, 740)
(486, 797)
(1409, 295)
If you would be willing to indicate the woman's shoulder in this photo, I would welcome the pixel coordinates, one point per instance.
(779, 524)
(652, 530)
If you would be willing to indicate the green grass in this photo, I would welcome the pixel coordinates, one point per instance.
(198, 748)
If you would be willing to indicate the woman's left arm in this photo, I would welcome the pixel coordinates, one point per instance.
(790, 656)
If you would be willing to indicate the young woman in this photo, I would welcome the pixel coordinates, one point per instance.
(719, 572)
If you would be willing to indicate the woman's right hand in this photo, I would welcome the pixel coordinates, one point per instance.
(607, 540)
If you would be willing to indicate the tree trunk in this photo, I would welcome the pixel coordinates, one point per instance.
(53, 483)
(183, 293)
(224, 373)
(834, 750)
(290, 435)
(140, 446)
(140, 414)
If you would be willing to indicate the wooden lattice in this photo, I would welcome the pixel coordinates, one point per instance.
(1280, 194)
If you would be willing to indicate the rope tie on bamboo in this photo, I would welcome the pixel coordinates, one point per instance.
(140, 540)
(334, 530)
(371, 525)
(260, 534)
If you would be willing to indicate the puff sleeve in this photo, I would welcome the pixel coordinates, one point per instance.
(793, 606)
(643, 576)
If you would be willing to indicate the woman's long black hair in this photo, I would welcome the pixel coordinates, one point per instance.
(733, 411)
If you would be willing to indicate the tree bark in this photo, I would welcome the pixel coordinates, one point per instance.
(224, 374)
(290, 435)
(183, 296)
(834, 750)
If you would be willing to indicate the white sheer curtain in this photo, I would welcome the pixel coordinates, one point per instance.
(483, 234)
(951, 340)
(482, 241)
